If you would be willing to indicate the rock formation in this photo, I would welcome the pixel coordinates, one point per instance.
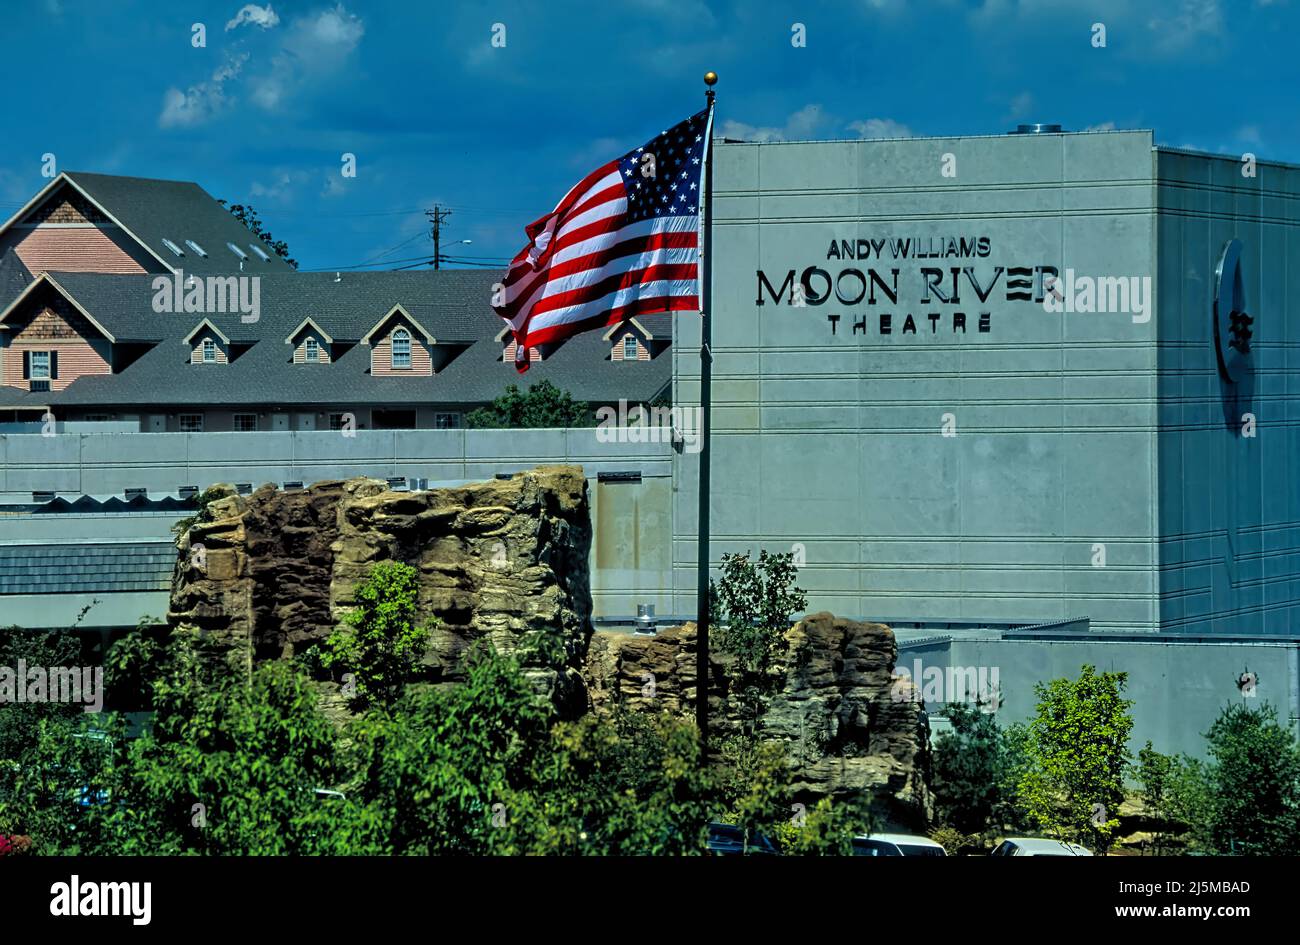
(848, 723)
(270, 574)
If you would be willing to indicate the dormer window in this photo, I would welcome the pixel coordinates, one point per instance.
(311, 348)
(629, 347)
(209, 351)
(401, 349)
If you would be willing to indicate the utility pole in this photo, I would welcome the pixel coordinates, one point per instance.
(437, 215)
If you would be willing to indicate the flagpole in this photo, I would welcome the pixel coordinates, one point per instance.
(706, 396)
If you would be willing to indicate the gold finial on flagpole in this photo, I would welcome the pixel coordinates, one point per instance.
(710, 78)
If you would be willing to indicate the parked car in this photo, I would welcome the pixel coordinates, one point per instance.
(729, 840)
(1038, 846)
(896, 844)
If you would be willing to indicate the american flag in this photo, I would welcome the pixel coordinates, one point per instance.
(624, 241)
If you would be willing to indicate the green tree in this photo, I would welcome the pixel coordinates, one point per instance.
(1256, 781)
(543, 405)
(751, 607)
(19, 721)
(246, 215)
(432, 769)
(230, 765)
(382, 644)
(236, 776)
(827, 829)
(1190, 802)
(627, 784)
(972, 770)
(1078, 751)
(1157, 775)
(54, 789)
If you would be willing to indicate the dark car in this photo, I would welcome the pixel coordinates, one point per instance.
(729, 840)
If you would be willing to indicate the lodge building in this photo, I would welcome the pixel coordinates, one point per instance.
(145, 302)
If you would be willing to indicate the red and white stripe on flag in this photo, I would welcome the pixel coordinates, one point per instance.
(624, 241)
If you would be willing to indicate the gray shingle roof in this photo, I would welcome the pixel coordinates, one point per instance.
(453, 305)
(154, 210)
(14, 277)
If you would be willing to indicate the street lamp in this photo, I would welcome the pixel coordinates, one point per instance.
(438, 257)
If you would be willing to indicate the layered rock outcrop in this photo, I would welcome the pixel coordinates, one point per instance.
(847, 721)
(272, 573)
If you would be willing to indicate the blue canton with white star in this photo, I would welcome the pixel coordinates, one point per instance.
(676, 157)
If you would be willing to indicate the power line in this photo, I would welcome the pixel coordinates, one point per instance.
(387, 262)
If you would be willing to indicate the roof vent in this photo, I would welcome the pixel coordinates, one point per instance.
(1036, 129)
(197, 248)
(645, 618)
(173, 247)
(259, 252)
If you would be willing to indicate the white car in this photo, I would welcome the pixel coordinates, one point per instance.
(896, 844)
(1038, 846)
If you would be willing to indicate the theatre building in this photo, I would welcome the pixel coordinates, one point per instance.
(1003, 379)
(987, 383)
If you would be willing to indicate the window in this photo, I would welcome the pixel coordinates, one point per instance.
(446, 421)
(245, 422)
(629, 347)
(339, 421)
(197, 248)
(209, 351)
(191, 423)
(312, 350)
(40, 365)
(401, 349)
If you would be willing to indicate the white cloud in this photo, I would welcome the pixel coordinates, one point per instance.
(802, 124)
(315, 44)
(200, 102)
(880, 128)
(1020, 105)
(282, 185)
(1193, 20)
(254, 15)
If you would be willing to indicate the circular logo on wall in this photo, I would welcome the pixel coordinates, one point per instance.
(1233, 326)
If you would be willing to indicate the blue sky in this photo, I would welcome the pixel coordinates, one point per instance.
(435, 113)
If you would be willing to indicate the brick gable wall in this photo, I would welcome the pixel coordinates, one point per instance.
(78, 249)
